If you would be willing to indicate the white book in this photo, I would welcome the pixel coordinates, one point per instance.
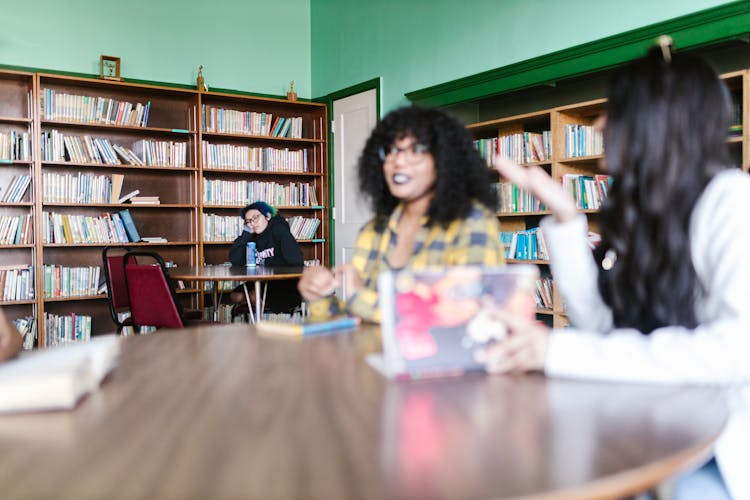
(56, 378)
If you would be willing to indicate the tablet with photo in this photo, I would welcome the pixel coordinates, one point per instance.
(434, 321)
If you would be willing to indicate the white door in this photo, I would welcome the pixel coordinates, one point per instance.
(354, 117)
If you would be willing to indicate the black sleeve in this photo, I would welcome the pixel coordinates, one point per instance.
(237, 252)
(291, 253)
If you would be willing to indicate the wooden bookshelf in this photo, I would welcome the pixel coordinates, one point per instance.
(226, 123)
(17, 118)
(561, 162)
(172, 133)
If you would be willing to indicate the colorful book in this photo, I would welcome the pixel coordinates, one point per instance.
(287, 328)
(130, 228)
(434, 322)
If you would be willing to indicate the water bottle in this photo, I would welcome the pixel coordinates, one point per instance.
(250, 254)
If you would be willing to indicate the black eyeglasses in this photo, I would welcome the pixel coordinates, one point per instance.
(255, 218)
(412, 153)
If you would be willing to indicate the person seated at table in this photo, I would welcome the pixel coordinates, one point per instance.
(10, 340)
(433, 205)
(275, 246)
(664, 297)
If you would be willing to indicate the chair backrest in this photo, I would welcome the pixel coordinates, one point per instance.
(152, 299)
(114, 277)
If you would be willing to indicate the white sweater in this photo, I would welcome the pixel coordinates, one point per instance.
(716, 352)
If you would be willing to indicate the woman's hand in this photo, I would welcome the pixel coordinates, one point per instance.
(523, 350)
(536, 180)
(10, 340)
(348, 275)
(317, 282)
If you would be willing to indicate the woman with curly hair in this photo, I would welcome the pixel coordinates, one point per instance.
(433, 204)
(664, 297)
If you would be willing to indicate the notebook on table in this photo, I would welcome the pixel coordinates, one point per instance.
(434, 321)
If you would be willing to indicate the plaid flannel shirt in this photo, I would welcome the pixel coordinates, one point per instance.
(474, 239)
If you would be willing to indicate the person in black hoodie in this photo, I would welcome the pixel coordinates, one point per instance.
(275, 246)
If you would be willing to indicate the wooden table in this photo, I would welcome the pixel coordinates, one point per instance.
(222, 413)
(242, 274)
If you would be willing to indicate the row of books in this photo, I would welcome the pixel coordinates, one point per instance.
(26, 326)
(221, 227)
(589, 192)
(77, 188)
(57, 146)
(303, 228)
(64, 329)
(231, 121)
(525, 245)
(512, 199)
(220, 192)
(107, 228)
(92, 109)
(583, 140)
(16, 230)
(543, 293)
(233, 157)
(17, 282)
(16, 189)
(525, 147)
(15, 146)
(162, 153)
(62, 281)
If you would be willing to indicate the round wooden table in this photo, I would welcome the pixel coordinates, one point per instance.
(220, 412)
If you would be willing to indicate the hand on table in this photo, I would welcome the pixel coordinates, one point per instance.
(523, 350)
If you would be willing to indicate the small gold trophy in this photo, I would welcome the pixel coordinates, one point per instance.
(201, 82)
(291, 95)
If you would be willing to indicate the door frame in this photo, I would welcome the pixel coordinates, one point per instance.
(374, 83)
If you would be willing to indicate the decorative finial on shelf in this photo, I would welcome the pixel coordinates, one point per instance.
(291, 95)
(666, 44)
(201, 82)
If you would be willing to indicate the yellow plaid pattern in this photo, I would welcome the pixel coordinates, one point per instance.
(472, 240)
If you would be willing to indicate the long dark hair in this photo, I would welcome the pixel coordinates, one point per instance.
(462, 175)
(666, 137)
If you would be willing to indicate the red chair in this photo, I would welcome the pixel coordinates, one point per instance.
(117, 292)
(150, 293)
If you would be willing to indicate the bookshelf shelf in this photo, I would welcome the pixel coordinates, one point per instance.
(121, 244)
(524, 261)
(16, 204)
(15, 162)
(120, 206)
(15, 119)
(280, 207)
(74, 298)
(277, 173)
(109, 127)
(13, 247)
(264, 138)
(17, 302)
(547, 312)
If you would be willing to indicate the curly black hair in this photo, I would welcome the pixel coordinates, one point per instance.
(462, 175)
(665, 138)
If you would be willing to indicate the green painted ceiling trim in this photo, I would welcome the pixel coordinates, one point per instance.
(722, 23)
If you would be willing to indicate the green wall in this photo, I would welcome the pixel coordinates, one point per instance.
(414, 44)
(251, 45)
